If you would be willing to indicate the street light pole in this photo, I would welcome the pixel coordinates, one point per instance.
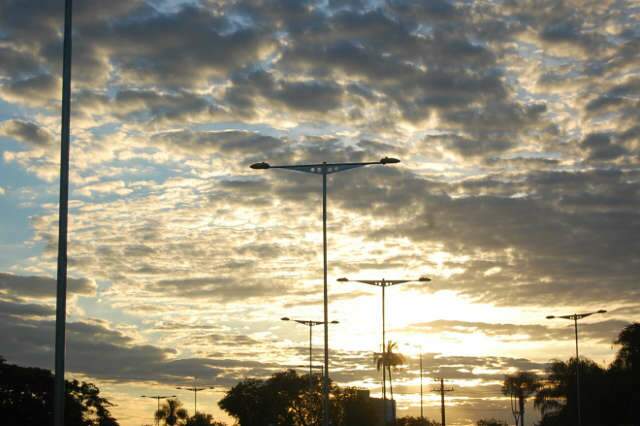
(383, 284)
(195, 391)
(421, 405)
(63, 213)
(310, 324)
(158, 398)
(324, 169)
(575, 318)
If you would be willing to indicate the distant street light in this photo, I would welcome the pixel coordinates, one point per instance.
(384, 284)
(575, 318)
(158, 398)
(195, 391)
(310, 324)
(324, 169)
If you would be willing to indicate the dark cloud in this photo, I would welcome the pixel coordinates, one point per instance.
(214, 288)
(27, 132)
(603, 331)
(43, 287)
(229, 142)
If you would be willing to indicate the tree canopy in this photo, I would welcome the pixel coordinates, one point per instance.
(26, 399)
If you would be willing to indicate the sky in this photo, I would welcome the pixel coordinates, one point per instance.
(518, 191)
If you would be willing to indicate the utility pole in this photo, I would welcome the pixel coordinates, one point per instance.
(442, 390)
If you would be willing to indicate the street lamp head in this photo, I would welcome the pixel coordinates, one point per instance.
(551, 316)
(343, 280)
(388, 160)
(260, 166)
(335, 322)
(285, 319)
(424, 279)
(602, 311)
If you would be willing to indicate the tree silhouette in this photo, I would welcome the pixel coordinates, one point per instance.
(202, 419)
(519, 387)
(388, 360)
(172, 413)
(26, 399)
(285, 399)
(490, 422)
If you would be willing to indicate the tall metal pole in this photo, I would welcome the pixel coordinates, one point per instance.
(61, 292)
(325, 379)
(157, 411)
(310, 355)
(575, 323)
(325, 169)
(421, 405)
(384, 359)
(442, 401)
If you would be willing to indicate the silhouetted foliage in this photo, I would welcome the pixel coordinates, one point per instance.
(389, 360)
(608, 396)
(286, 399)
(519, 387)
(172, 413)
(490, 422)
(415, 421)
(202, 419)
(26, 399)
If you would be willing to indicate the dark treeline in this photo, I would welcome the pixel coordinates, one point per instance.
(26, 399)
(610, 396)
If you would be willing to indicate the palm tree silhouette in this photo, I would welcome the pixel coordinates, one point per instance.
(519, 387)
(389, 359)
(171, 412)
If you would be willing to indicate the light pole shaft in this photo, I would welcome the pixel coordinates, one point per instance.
(384, 359)
(325, 379)
(575, 323)
(310, 355)
(421, 406)
(442, 401)
(61, 291)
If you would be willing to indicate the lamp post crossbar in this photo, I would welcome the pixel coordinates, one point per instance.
(310, 324)
(324, 169)
(383, 284)
(158, 398)
(575, 318)
(195, 391)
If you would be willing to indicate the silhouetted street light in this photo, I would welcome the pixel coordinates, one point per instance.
(324, 169)
(63, 216)
(310, 324)
(575, 318)
(158, 398)
(195, 391)
(384, 284)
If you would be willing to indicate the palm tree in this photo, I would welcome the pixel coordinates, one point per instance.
(388, 360)
(519, 387)
(172, 413)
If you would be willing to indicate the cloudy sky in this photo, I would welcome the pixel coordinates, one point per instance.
(518, 192)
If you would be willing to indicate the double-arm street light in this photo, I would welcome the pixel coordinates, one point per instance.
(575, 318)
(383, 284)
(195, 391)
(310, 324)
(158, 398)
(324, 169)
